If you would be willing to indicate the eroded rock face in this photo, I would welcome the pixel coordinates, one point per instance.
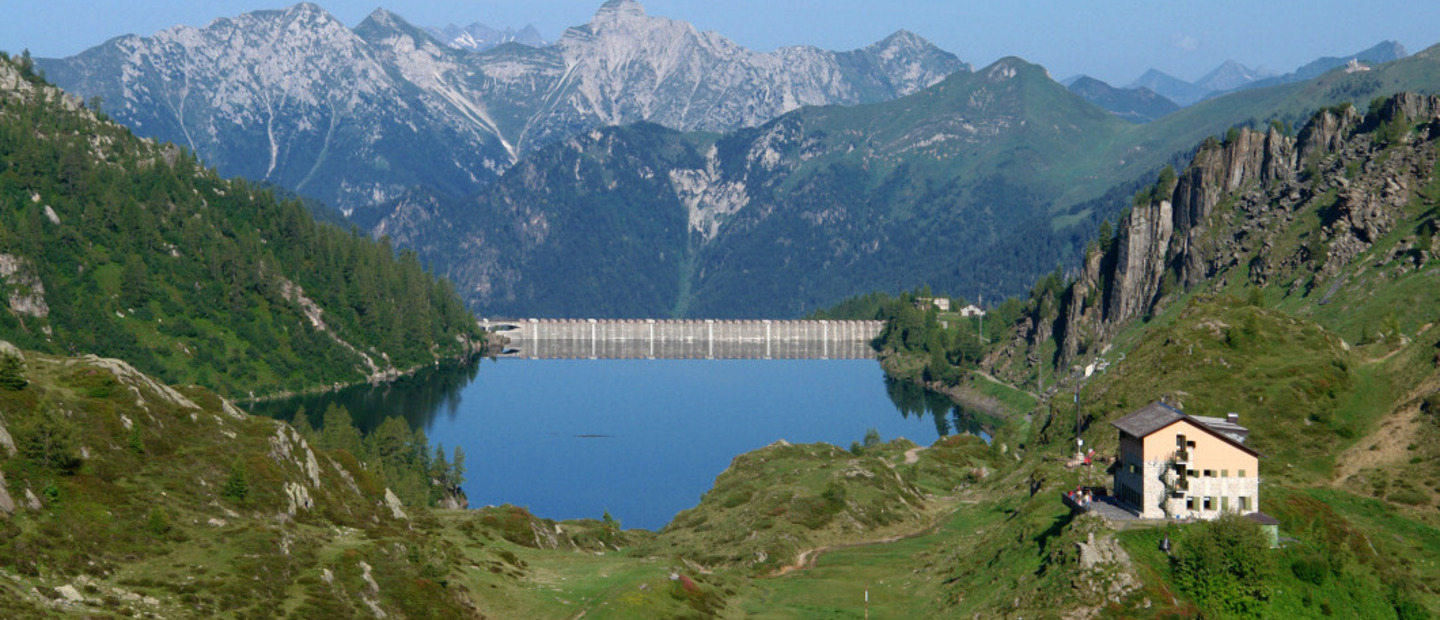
(708, 197)
(1232, 202)
(23, 289)
(7, 504)
(1326, 132)
(393, 503)
(299, 498)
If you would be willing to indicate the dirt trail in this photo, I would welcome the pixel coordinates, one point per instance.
(1391, 439)
(912, 455)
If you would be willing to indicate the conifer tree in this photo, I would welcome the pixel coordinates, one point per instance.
(12, 373)
(237, 484)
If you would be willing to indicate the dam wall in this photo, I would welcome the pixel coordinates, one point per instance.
(686, 338)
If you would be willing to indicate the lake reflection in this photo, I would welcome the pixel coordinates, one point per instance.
(642, 439)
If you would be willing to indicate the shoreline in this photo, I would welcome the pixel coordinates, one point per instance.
(471, 350)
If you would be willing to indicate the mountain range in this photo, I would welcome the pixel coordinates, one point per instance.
(972, 185)
(1232, 76)
(479, 37)
(356, 117)
(639, 167)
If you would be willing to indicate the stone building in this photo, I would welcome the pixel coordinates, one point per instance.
(1175, 465)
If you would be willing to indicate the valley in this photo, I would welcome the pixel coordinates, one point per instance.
(215, 404)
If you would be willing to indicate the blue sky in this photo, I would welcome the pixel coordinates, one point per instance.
(1112, 40)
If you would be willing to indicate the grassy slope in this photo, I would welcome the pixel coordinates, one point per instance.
(1007, 549)
(1331, 392)
(142, 524)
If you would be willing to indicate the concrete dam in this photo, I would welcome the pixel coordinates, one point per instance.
(685, 338)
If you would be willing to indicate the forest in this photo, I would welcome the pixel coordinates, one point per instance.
(130, 249)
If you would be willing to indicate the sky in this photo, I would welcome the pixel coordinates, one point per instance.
(1115, 41)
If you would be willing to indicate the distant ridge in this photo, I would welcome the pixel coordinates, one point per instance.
(1175, 89)
(1137, 105)
(479, 37)
(1232, 76)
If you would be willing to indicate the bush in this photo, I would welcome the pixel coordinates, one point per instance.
(49, 440)
(1431, 405)
(1225, 565)
(157, 523)
(1409, 497)
(1311, 569)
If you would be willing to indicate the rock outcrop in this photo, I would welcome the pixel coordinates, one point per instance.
(1229, 207)
(24, 291)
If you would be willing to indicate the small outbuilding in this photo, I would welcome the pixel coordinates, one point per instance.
(1269, 525)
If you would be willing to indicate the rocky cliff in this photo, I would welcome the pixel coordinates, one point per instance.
(1259, 206)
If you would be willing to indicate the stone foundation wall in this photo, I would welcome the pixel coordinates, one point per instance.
(1156, 503)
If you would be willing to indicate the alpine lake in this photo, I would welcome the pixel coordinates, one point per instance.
(640, 438)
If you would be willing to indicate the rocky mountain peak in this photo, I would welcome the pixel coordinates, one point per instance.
(901, 39)
(479, 37)
(356, 117)
(1006, 68)
(384, 17)
(1230, 75)
(614, 10)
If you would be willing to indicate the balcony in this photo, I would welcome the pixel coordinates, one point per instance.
(1176, 484)
(1182, 457)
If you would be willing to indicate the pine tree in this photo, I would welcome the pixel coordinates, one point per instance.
(12, 373)
(457, 468)
(237, 484)
(49, 438)
(302, 425)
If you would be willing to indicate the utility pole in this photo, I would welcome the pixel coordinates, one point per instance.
(980, 303)
(1079, 381)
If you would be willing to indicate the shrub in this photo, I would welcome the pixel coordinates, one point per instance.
(137, 445)
(49, 440)
(872, 438)
(1431, 405)
(157, 523)
(1409, 497)
(1225, 565)
(1311, 569)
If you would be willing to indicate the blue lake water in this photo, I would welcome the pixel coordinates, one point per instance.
(642, 439)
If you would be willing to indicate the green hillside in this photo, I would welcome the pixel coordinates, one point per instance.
(118, 246)
(1288, 276)
(1294, 284)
